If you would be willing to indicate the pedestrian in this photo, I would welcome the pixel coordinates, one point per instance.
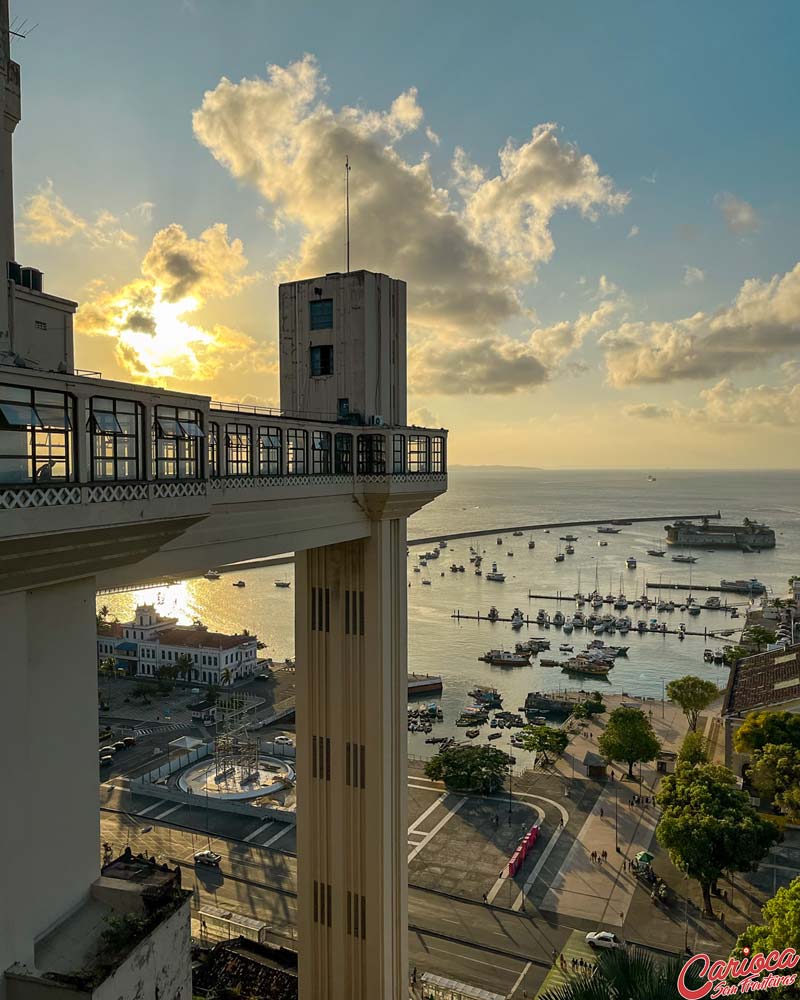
(594, 855)
(485, 898)
(621, 917)
(722, 919)
(605, 855)
(561, 822)
(602, 814)
(555, 956)
(613, 775)
(414, 976)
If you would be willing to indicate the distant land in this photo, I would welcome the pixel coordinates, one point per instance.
(524, 468)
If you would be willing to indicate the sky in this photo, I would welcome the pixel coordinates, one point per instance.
(595, 207)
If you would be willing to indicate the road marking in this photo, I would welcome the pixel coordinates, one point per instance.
(522, 975)
(260, 829)
(155, 805)
(429, 837)
(466, 958)
(426, 814)
(167, 812)
(278, 836)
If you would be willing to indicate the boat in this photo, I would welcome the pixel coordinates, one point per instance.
(492, 736)
(751, 586)
(423, 562)
(499, 541)
(569, 538)
(708, 655)
(239, 583)
(565, 647)
(517, 619)
(712, 603)
(496, 576)
(559, 556)
(608, 530)
(718, 656)
(472, 733)
(212, 574)
(517, 534)
(621, 603)
(504, 658)
(586, 666)
(630, 562)
(749, 534)
(284, 584)
(681, 558)
(486, 697)
(651, 479)
(570, 549)
(417, 569)
(493, 614)
(531, 543)
(568, 627)
(424, 684)
(478, 572)
(426, 583)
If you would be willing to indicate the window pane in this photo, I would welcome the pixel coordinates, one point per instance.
(14, 442)
(169, 427)
(15, 470)
(191, 429)
(321, 314)
(126, 469)
(106, 422)
(19, 415)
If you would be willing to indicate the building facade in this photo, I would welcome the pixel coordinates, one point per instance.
(150, 641)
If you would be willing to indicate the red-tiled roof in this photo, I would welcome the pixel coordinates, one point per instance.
(187, 636)
(763, 680)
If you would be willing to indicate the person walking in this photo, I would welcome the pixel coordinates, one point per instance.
(602, 814)
(485, 898)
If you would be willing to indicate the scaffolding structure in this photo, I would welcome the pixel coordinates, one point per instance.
(236, 752)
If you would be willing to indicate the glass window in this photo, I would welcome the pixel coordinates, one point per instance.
(270, 451)
(176, 452)
(115, 432)
(398, 454)
(213, 450)
(321, 360)
(237, 450)
(36, 438)
(344, 454)
(321, 314)
(417, 453)
(320, 453)
(437, 454)
(371, 454)
(296, 447)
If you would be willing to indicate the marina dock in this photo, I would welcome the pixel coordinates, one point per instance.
(616, 522)
(661, 630)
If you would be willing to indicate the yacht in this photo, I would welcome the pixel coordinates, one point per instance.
(569, 538)
(284, 584)
(494, 614)
(621, 603)
(681, 558)
(559, 557)
(657, 552)
(517, 619)
(531, 543)
(504, 658)
(239, 583)
(630, 562)
(517, 534)
(541, 616)
(496, 576)
(607, 530)
(212, 574)
(558, 619)
(570, 549)
(694, 609)
(568, 627)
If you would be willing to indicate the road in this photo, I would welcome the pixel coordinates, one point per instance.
(485, 946)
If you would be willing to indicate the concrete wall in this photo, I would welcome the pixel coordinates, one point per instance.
(49, 839)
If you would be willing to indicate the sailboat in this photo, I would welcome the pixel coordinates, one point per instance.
(531, 543)
(559, 556)
(657, 550)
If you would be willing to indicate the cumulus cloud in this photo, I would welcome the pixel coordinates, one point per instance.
(740, 216)
(153, 319)
(693, 275)
(778, 405)
(647, 411)
(465, 251)
(762, 323)
(633, 232)
(47, 219)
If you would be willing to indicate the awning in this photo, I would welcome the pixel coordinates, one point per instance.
(645, 857)
(127, 647)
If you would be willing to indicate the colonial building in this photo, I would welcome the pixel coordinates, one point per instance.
(143, 646)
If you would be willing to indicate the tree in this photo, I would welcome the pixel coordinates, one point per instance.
(757, 636)
(781, 927)
(761, 728)
(709, 827)
(625, 974)
(184, 666)
(213, 693)
(694, 749)
(628, 737)
(775, 775)
(544, 740)
(733, 653)
(468, 768)
(692, 694)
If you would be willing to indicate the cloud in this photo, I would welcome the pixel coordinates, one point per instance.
(479, 366)
(144, 210)
(740, 216)
(761, 324)
(421, 416)
(633, 232)
(432, 136)
(46, 219)
(464, 252)
(553, 344)
(778, 405)
(693, 275)
(647, 411)
(153, 319)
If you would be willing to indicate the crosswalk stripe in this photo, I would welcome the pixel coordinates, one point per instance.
(260, 829)
(167, 812)
(144, 812)
(278, 836)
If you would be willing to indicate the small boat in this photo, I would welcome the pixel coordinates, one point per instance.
(630, 562)
(283, 584)
(558, 619)
(472, 733)
(651, 479)
(517, 534)
(496, 576)
(212, 574)
(570, 549)
(531, 543)
(417, 569)
(493, 614)
(426, 583)
(509, 553)
(602, 543)
(559, 556)
(606, 530)
(499, 541)
(656, 552)
(569, 538)
(240, 583)
(568, 626)
(708, 655)
(694, 609)
(681, 558)
(565, 647)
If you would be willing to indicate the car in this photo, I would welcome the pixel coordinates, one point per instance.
(284, 741)
(119, 745)
(129, 741)
(106, 761)
(108, 751)
(604, 939)
(207, 858)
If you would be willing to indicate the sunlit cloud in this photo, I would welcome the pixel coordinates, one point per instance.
(740, 216)
(47, 219)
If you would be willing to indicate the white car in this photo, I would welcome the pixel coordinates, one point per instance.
(207, 858)
(604, 939)
(284, 741)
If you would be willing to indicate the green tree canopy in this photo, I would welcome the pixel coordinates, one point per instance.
(761, 728)
(544, 740)
(692, 694)
(709, 827)
(758, 636)
(781, 927)
(628, 737)
(694, 749)
(775, 775)
(465, 768)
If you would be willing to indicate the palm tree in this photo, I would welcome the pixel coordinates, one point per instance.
(623, 974)
(184, 665)
(104, 612)
(226, 676)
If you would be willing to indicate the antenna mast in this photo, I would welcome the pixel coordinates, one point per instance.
(347, 211)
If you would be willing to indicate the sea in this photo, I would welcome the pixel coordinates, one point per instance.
(498, 498)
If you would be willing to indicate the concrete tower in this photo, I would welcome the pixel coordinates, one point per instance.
(342, 342)
(11, 113)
